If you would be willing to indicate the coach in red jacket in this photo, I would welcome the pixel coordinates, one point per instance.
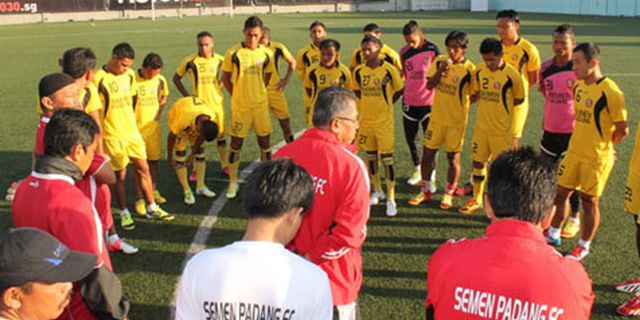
(334, 229)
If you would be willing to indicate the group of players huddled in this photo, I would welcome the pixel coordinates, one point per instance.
(584, 115)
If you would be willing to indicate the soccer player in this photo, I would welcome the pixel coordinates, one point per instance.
(450, 77)
(386, 53)
(308, 55)
(632, 206)
(247, 70)
(500, 92)
(520, 54)
(203, 68)
(417, 57)
(328, 72)
(378, 85)
(556, 84)
(123, 142)
(277, 100)
(191, 123)
(601, 123)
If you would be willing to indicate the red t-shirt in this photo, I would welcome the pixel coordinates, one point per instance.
(511, 273)
(334, 229)
(39, 146)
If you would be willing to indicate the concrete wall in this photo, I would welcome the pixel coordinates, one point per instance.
(585, 7)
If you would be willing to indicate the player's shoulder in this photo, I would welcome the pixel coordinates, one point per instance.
(343, 68)
(218, 57)
(527, 45)
(162, 78)
(359, 68)
(389, 67)
(190, 57)
(99, 75)
(233, 49)
(431, 46)
(469, 65)
(313, 67)
(608, 84)
(510, 71)
(546, 65)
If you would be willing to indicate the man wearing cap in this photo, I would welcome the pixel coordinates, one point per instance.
(36, 272)
(49, 200)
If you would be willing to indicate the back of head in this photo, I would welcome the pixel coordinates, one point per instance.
(460, 37)
(266, 32)
(67, 128)
(411, 27)
(491, 45)
(52, 83)
(277, 186)
(590, 50)
(123, 50)
(331, 101)
(522, 185)
(371, 27)
(509, 14)
(209, 130)
(152, 61)
(328, 43)
(77, 61)
(253, 22)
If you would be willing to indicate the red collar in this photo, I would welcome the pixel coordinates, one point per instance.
(515, 228)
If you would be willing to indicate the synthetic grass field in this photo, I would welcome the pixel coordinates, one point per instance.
(397, 249)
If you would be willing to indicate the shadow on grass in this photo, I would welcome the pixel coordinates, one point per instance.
(383, 273)
(402, 223)
(409, 294)
(146, 311)
(402, 250)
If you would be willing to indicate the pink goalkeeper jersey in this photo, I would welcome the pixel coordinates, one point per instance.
(415, 64)
(556, 83)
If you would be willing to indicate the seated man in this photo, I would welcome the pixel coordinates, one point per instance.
(511, 270)
(36, 274)
(257, 273)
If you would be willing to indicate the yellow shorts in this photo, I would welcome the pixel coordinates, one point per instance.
(278, 104)
(486, 147)
(438, 134)
(244, 119)
(588, 176)
(632, 195)
(376, 139)
(151, 134)
(121, 150)
(219, 110)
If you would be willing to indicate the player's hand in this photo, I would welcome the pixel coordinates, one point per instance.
(516, 143)
(444, 67)
(282, 84)
(173, 163)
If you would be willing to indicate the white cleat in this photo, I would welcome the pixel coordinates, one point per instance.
(392, 211)
(232, 190)
(375, 198)
(205, 192)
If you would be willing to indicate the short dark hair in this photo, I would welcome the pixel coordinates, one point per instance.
(509, 14)
(371, 27)
(77, 61)
(589, 49)
(204, 34)
(522, 185)
(209, 130)
(459, 36)
(565, 28)
(330, 102)
(328, 43)
(411, 27)
(153, 61)
(67, 128)
(370, 38)
(123, 50)
(277, 186)
(253, 22)
(317, 23)
(266, 32)
(491, 45)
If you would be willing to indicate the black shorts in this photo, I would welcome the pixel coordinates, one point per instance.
(416, 113)
(554, 144)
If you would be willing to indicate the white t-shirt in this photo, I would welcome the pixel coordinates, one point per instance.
(253, 280)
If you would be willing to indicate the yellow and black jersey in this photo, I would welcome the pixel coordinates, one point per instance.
(279, 52)
(597, 107)
(248, 69)
(386, 54)
(117, 93)
(377, 87)
(148, 99)
(204, 77)
(634, 164)
(497, 92)
(307, 56)
(319, 77)
(523, 56)
(183, 113)
(451, 99)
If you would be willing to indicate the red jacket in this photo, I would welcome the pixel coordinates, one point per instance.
(508, 273)
(334, 229)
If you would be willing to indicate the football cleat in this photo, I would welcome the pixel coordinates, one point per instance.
(193, 177)
(556, 242)
(392, 211)
(160, 215)
(158, 197)
(470, 207)
(225, 172)
(420, 198)
(375, 198)
(446, 202)
(126, 222)
(464, 190)
(578, 253)
(141, 207)
(189, 199)
(232, 190)
(120, 245)
(630, 286)
(570, 229)
(415, 178)
(205, 192)
(630, 308)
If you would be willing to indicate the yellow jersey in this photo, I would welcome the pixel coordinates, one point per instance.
(523, 56)
(634, 164)
(318, 77)
(183, 113)
(308, 55)
(204, 77)
(386, 54)
(279, 52)
(451, 97)
(148, 101)
(116, 93)
(248, 69)
(377, 87)
(597, 107)
(497, 92)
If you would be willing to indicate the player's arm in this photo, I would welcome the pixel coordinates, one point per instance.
(171, 142)
(95, 115)
(267, 78)
(291, 67)
(105, 175)
(226, 81)
(397, 95)
(177, 80)
(620, 132)
(300, 67)
(533, 66)
(162, 101)
(441, 69)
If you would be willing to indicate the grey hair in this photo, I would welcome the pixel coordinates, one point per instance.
(331, 102)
